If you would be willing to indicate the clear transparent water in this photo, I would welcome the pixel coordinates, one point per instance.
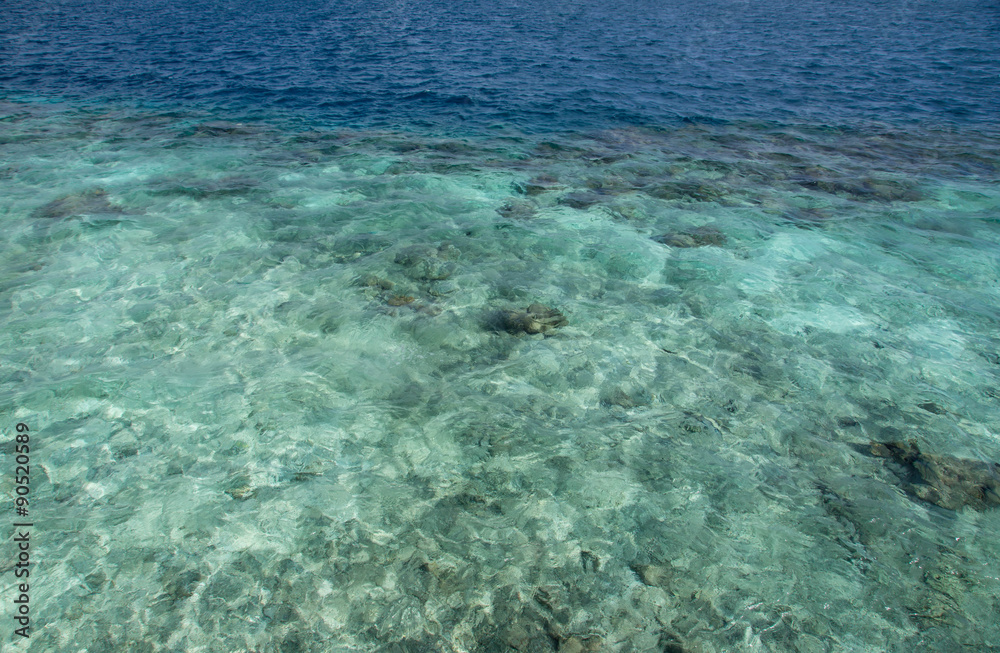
(272, 409)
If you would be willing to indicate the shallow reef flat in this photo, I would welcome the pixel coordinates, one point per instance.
(713, 387)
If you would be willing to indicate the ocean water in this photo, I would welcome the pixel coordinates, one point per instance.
(536, 65)
(503, 327)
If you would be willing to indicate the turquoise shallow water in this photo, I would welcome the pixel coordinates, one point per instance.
(275, 408)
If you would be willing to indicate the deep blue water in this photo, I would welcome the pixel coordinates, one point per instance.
(540, 64)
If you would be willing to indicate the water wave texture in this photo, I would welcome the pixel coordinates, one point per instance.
(543, 64)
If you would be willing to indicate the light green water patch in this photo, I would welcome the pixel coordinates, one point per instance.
(278, 399)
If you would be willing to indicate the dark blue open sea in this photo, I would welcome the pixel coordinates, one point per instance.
(508, 326)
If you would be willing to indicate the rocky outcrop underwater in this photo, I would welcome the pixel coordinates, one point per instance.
(945, 481)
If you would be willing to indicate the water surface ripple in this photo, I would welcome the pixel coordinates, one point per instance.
(539, 64)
